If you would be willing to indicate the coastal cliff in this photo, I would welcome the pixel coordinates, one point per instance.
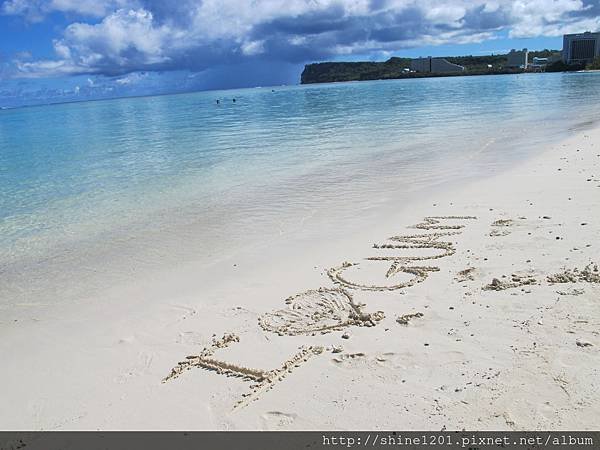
(327, 72)
(394, 68)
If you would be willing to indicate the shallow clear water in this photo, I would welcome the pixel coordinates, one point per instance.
(96, 174)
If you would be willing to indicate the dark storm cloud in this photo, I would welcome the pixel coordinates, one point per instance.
(481, 20)
(153, 35)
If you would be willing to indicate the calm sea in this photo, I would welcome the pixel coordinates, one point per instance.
(97, 179)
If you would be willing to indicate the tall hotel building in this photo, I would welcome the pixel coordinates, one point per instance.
(581, 47)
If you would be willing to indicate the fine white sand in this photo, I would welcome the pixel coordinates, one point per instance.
(520, 354)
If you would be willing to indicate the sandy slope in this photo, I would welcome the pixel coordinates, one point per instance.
(522, 354)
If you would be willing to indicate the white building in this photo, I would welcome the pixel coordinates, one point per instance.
(517, 59)
(434, 65)
(581, 48)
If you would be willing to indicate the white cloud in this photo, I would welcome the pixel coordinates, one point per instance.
(118, 33)
(95, 8)
(39, 69)
(36, 10)
(122, 41)
(253, 47)
(62, 50)
(549, 17)
(138, 35)
(131, 78)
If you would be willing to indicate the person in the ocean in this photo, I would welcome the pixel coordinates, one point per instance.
(217, 101)
(234, 100)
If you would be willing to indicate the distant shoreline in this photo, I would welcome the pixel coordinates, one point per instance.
(402, 68)
(418, 75)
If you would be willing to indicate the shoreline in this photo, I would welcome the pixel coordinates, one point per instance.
(86, 265)
(515, 357)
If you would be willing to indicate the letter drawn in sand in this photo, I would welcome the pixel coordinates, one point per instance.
(415, 244)
(434, 223)
(263, 380)
(420, 274)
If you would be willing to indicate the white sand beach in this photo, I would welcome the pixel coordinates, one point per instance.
(500, 332)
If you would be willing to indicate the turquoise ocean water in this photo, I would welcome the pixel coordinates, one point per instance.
(82, 180)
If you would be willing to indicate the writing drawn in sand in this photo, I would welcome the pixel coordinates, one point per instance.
(323, 310)
(346, 274)
(262, 380)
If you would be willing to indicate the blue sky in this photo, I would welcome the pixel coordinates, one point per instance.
(68, 50)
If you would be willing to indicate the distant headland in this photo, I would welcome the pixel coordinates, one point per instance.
(516, 61)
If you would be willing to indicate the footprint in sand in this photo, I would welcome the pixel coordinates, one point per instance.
(362, 360)
(405, 319)
(399, 362)
(141, 367)
(517, 279)
(502, 227)
(191, 338)
(183, 311)
(273, 420)
(350, 360)
(465, 275)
